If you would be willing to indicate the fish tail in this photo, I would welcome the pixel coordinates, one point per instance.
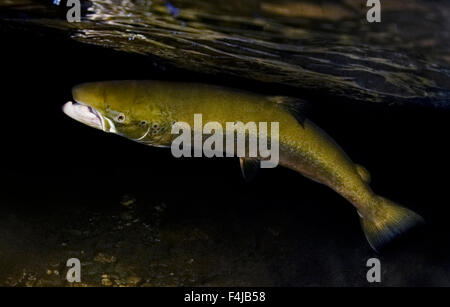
(386, 220)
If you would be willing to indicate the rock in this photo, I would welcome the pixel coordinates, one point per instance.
(107, 282)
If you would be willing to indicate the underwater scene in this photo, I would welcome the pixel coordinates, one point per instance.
(225, 143)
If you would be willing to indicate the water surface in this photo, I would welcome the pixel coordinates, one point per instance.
(325, 47)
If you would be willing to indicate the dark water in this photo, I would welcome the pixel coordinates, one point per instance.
(380, 90)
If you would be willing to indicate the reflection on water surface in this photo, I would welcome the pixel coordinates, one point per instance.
(315, 46)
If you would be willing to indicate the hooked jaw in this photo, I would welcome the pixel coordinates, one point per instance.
(89, 116)
(84, 114)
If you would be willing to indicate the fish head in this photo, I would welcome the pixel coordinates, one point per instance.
(113, 107)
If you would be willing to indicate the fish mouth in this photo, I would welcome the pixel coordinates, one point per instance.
(84, 114)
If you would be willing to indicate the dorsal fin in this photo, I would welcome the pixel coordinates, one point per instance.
(295, 106)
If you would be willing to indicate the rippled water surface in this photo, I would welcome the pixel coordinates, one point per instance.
(313, 46)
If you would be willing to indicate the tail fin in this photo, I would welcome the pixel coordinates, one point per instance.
(386, 221)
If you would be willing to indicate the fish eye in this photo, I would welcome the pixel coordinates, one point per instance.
(155, 126)
(120, 118)
(143, 123)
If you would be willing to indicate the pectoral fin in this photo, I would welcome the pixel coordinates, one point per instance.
(249, 167)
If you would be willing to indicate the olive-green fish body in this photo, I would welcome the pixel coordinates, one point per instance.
(146, 110)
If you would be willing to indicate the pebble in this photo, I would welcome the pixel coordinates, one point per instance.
(106, 282)
(127, 200)
(104, 258)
